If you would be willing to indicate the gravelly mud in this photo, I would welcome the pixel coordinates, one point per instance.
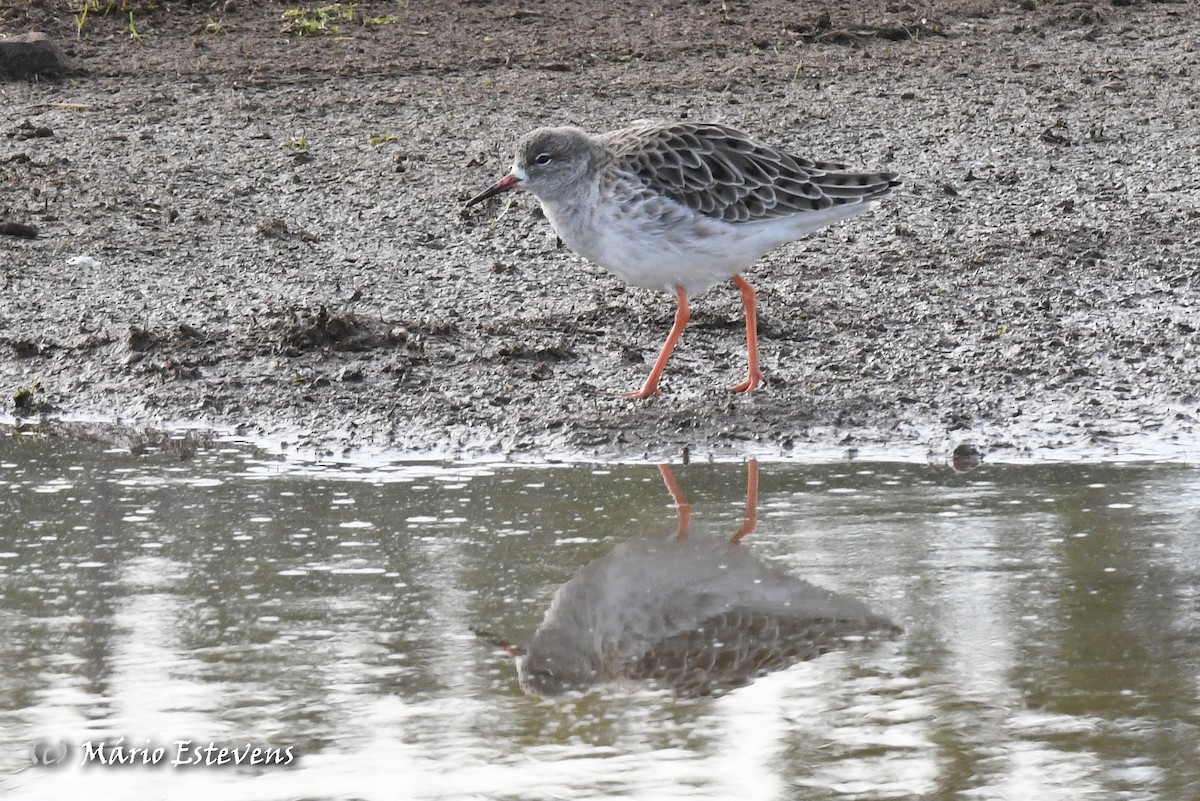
(244, 227)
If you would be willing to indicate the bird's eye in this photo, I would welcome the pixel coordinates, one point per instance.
(544, 158)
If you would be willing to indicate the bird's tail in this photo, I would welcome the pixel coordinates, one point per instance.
(856, 187)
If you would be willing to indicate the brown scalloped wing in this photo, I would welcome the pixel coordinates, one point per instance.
(722, 173)
(733, 649)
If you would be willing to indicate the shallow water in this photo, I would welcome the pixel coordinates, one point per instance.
(1050, 645)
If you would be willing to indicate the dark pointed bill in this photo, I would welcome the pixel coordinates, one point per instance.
(510, 648)
(506, 183)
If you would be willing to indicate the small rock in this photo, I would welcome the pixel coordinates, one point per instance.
(31, 54)
(966, 457)
(139, 340)
(272, 228)
(27, 130)
(23, 230)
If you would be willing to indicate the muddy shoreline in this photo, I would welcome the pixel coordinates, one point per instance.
(262, 232)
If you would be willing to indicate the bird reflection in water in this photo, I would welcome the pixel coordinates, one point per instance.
(696, 614)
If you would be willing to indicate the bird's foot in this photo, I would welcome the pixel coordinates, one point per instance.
(752, 381)
(648, 390)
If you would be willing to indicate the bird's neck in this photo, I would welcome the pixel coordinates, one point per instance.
(572, 216)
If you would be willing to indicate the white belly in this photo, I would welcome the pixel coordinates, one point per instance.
(663, 245)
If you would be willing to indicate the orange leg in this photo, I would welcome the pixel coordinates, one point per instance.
(750, 521)
(682, 507)
(682, 315)
(754, 376)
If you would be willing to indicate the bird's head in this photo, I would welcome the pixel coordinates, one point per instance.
(547, 161)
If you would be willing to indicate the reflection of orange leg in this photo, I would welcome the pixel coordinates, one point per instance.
(754, 375)
(682, 507)
(751, 519)
(682, 315)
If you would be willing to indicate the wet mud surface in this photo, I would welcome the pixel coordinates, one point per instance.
(249, 228)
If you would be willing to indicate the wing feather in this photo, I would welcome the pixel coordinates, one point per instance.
(722, 173)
